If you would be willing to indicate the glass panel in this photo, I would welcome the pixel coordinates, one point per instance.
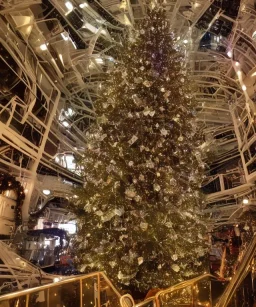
(65, 295)
(108, 297)
(202, 293)
(14, 302)
(178, 298)
(89, 286)
(38, 299)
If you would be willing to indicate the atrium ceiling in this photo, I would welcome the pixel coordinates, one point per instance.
(53, 56)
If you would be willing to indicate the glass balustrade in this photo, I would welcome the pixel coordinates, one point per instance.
(96, 290)
(92, 290)
(192, 293)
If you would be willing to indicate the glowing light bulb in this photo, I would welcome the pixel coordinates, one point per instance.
(69, 5)
(43, 47)
(65, 123)
(46, 192)
(82, 5)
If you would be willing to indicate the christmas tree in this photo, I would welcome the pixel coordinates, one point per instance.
(138, 213)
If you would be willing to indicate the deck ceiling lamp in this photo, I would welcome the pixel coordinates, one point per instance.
(46, 192)
(43, 47)
(65, 123)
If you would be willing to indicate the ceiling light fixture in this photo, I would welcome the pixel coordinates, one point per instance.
(99, 60)
(82, 5)
(229, 54)
(65, 123)
(43, 47)
(244, 87)
(46, 192)
(245, 201)
(90, 27)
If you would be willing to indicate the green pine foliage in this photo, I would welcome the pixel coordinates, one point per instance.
(138, 213)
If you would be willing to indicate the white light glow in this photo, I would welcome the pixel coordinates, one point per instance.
(69, 227)
(47, 242)
(104, 32)
(83, 5)
(64, 35)
(229, 54)
(185, 41)
(69, 5)
(69, 112)
(43, 47)
(99, 60)
(61, 59)
(243, 87)
(65, 124)
(245, 201)
(239, 73)
(46, 192)
(237, 63)
(90, 27)
(56, 279)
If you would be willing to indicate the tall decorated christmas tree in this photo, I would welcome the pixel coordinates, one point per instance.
(139, 210)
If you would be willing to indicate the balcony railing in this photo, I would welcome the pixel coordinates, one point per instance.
(94, 290)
